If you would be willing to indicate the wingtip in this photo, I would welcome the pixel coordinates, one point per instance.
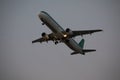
(32, 42)
(100, 30)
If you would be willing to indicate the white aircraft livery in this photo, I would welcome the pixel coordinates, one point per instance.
(59, 35)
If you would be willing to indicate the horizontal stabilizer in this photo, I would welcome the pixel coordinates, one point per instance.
(83, 51)
(74, 53)
(88, 50)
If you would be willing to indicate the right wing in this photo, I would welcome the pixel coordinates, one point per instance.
(84, 32)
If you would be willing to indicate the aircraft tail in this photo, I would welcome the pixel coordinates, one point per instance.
(81, 43)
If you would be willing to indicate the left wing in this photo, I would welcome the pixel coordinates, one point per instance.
(46, 37)
(39, 40)
(84, 32)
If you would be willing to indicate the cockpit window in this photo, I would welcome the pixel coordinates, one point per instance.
(44, 12)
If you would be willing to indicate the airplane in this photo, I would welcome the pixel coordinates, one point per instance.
(59, 35)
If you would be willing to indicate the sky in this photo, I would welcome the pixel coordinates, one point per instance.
(22, 60)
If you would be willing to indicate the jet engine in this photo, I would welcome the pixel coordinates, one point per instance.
(69, 32)
(45, 36)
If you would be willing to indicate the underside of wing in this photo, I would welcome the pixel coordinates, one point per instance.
(85, 32)
(39, 40)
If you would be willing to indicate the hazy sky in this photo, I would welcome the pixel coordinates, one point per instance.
(22, 60)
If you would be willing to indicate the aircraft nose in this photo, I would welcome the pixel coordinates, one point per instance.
(41, 14)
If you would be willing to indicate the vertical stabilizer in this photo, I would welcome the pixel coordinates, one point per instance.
(81, 43)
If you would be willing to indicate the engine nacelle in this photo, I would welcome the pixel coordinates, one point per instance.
(69, 31)
(45, 36)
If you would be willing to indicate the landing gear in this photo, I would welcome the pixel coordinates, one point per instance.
(83, 53)
(43, 23)
(56, 42)
(67, 40)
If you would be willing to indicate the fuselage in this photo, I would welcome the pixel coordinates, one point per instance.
(57, 29)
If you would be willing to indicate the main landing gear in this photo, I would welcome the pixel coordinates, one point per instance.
(43, 23)
(56, 42)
